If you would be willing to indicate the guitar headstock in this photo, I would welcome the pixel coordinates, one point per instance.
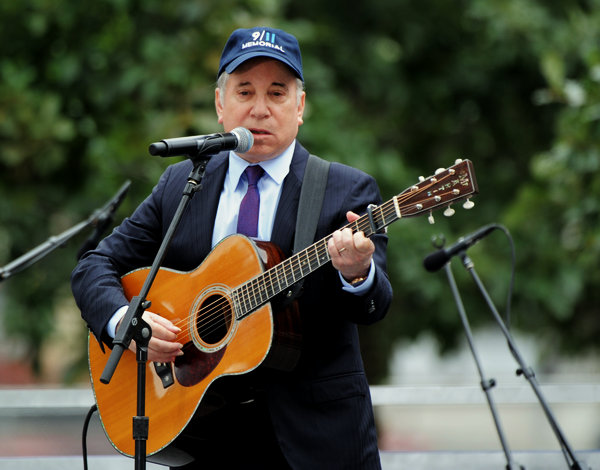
(440, 190)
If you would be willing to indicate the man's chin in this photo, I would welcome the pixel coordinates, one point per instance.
(259, 153)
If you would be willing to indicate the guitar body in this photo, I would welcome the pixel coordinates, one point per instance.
(216, 343)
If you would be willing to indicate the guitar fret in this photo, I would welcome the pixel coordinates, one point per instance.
(377, 219)
(250, 300)
(304, 263)
(362, 225)
(248, 297)
(283, 275)
(236, 301)
(258, 297)
(267, 291)
(298, 266)
(381, 217)
(279, 273)
(297, 269)
(293, 271)
(241, 300)
(313, 261)
(310, 259)
(258, 293)
(269, 288)
(323, 253)
(289, 275)
(382, 213)
(252, 297)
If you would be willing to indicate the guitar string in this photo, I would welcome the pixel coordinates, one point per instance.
(205, 321)
(253, 298)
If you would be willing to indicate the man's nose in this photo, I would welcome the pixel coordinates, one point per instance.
(260, 107)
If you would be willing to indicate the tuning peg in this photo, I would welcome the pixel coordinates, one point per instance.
(430, 218)
(457, 161)
(449, 212)
(468, 204)
(421, 179)
(439, 170)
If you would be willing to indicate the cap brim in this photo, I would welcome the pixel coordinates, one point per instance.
(234, 64)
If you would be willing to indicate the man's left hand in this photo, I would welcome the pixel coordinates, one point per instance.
(351, 253)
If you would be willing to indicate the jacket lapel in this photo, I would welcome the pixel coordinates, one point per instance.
(206, 200)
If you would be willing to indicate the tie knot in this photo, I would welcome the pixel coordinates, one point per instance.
(253, 174)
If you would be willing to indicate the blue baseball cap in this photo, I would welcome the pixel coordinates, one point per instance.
(245, 44)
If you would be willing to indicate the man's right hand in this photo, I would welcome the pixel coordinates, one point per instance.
(163, 345)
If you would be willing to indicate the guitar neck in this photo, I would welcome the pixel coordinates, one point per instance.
(447, 186)
(261, 289)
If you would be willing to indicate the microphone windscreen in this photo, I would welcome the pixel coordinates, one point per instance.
(435, 261)
(245, 139)
(158, 148)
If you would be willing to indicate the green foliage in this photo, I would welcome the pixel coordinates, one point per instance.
(84, 88)
(512, 85)
(397, 88)
(563, 195)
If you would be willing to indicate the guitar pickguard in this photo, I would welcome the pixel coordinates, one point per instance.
(195, 365)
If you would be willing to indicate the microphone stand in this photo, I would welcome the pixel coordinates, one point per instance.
(525, 370)
(31, 257)
(134, 327)
(486, 385)
(103, 218)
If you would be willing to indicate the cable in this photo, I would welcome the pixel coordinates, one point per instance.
(86, 423)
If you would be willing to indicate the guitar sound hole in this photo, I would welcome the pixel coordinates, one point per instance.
(213, 319)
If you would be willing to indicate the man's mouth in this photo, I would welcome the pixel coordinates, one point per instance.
(259, 132)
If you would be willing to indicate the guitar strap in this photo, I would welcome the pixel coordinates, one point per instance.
(312, 194)
(311, 201)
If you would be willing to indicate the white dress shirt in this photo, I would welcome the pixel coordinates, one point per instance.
(234, 190)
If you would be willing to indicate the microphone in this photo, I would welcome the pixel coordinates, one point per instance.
(102, 218)
(434, 261)
(239, 139)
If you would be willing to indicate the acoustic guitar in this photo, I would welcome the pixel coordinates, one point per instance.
(229, 328)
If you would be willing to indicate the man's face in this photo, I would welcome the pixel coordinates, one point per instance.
(261, 95)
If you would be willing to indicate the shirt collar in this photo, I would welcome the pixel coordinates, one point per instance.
(277, 168)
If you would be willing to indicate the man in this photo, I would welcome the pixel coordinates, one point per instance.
(319, 415)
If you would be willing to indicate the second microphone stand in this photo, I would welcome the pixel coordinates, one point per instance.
(525, 370)
(486, 384)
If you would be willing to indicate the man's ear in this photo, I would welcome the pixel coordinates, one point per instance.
(301, 109)
(218, 105)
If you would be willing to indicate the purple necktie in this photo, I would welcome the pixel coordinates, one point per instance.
(248, 215)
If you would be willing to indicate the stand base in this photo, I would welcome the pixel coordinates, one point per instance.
(480, 460)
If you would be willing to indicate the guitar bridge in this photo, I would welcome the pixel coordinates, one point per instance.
(165, 372)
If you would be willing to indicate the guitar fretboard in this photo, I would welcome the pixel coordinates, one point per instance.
(445, 187)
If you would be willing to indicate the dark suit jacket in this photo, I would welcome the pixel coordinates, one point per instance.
(321, 411)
